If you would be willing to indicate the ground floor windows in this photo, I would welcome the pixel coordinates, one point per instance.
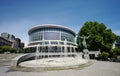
(52, 56)
(50, 49)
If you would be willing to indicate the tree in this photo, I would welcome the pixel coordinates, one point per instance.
(105, 55)
(99, 36)
(115, 51)
(118, 42)
(22, 50)
(12, 50)
(118, 39)
(7, 49)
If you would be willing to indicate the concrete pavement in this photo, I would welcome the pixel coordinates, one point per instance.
(99, 68)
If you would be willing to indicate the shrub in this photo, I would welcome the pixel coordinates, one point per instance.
(105, 55)
(7, 49)
(115, 51)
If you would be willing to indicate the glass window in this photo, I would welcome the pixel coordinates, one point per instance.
(51, 35)
(67, 36)
(36, 36)
(54, 43)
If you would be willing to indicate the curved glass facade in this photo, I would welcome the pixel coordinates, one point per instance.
(51, 34)
(35, 36)
(52, 40)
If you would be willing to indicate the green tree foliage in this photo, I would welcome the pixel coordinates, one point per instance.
(22, 50)
(118, 39)
(115, 51)
(99, 36)
(7, 49)
(12, 50)
(118, 42)
(104, 55)
(30, 50)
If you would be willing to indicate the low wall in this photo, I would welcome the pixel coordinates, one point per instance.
(21, 58)
(31, 56)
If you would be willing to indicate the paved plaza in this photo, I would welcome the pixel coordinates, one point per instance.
(99, 68)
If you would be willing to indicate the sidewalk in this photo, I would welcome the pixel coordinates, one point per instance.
(99, 68)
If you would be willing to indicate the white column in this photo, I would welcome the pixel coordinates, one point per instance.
(43, 36)
(75, 52)
(65, 47)
(74, 49)
(70, 49)
(60, 35)
(37, 52)
(61, 50)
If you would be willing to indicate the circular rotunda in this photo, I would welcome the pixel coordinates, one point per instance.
(52, 40)
(52, 46)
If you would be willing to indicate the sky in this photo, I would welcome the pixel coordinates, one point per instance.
(18, 16)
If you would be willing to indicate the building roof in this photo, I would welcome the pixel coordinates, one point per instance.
(1, 38)
(50, 26)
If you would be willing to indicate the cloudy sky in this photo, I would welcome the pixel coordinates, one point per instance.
(18, 16)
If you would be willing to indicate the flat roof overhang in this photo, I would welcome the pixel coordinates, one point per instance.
(51, 26)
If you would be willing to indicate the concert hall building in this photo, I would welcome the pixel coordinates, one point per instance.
(52, 40)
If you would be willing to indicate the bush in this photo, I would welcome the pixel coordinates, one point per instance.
(4, 49)
(21, 51)
(115, 51)
(12, 50)
(105, 55)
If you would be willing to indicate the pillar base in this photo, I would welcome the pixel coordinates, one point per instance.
(86, 54)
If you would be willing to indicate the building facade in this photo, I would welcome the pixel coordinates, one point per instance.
(8, 36)
(52, 40)
(5, 42)
(10, 40)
